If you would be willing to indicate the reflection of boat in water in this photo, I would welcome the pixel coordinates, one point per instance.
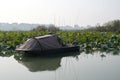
(41, 63)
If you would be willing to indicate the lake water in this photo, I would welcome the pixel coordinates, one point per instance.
(95, 66)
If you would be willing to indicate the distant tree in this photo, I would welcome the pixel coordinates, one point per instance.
(50, 28)
(111, 26)
(40, 28)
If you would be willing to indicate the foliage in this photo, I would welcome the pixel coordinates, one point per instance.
(111, 26)
(87, 40)
(50, 28)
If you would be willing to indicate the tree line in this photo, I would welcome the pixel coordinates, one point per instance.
(111, 26)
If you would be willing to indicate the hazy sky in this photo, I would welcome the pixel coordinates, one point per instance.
(59, 12)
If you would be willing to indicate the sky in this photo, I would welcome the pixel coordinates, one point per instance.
(59, 12)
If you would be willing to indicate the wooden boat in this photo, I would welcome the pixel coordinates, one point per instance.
(47, 44)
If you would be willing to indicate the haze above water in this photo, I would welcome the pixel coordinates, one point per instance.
(96, 66)
(59, 12)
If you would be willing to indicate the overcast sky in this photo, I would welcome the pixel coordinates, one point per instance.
(59, 12)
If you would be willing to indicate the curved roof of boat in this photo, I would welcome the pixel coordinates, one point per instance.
(45, 36)
(45, 42)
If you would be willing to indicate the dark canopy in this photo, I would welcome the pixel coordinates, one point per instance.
(45, 42)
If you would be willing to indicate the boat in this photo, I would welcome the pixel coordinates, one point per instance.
(46, 45)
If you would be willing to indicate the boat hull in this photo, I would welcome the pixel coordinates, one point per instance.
(54, 51)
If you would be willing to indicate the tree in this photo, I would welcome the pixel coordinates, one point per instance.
(40, 28)
(50, 28)
(113, 26)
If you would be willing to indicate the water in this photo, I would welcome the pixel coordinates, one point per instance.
(95, 66)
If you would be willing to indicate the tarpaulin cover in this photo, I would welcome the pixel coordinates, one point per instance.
(45, 42)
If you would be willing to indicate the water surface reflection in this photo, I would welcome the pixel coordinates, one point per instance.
(42, 63)
(97, 65)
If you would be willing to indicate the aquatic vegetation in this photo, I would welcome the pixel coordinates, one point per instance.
(90, 40)
(87, 40)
